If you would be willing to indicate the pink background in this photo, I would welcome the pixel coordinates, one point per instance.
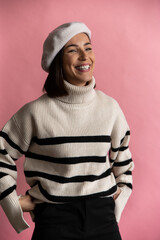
(126, 40)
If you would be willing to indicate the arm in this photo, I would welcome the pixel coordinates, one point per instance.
(121, 161)
(13, 145)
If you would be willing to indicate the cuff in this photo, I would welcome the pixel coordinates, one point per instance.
(14, 213)
(121, 201)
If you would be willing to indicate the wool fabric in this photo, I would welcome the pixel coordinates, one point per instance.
(58, 38)
(75, 147)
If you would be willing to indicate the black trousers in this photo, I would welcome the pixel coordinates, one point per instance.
(89, 219)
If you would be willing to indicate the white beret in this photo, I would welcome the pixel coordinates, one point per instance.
(58, 38)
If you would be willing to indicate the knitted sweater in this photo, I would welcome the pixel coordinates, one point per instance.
(75, 147)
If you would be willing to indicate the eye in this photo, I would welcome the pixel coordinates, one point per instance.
(72, 50)
(88, 49)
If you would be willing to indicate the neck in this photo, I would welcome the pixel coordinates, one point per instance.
(79, 94)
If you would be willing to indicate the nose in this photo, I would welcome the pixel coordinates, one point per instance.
(82, 55)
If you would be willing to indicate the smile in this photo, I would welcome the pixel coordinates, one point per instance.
(83, 68)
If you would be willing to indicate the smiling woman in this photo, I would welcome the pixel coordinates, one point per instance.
(75, 140)
(74, 62)
(78, 60)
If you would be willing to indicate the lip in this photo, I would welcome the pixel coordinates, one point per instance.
(84, 64)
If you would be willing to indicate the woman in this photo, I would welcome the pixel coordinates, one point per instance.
(75, 140)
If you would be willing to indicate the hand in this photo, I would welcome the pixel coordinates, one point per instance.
(115, 196)
(26, 203)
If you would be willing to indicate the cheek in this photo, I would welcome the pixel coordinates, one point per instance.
(68, 60)
(68, 67)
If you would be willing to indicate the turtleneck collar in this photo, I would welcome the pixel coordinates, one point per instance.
(79, 94)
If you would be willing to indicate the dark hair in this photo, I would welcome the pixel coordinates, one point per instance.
(54, 84)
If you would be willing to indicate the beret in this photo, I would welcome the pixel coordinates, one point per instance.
(58, 38)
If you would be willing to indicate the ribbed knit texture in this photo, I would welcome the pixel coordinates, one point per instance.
(75, 147)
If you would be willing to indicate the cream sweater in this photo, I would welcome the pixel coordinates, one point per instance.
(75, 147)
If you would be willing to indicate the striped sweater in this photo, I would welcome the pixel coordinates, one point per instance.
(75, 147)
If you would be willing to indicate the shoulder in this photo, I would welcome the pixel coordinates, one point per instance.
(32, 107)
(107, 100)
(111, 106)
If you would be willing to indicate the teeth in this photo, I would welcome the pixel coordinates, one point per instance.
(86, 67)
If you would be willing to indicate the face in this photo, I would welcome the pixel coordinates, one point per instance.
(78, 60)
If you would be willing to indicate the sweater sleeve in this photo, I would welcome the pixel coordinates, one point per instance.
(14, 142)
(121, 161)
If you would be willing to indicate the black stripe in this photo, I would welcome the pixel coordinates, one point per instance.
(124, 163)
(4, 152)
(11, 143)
(74, 198)
(119, 149)
(2, 174)
(128, 173)
(127, 184)
(7, 192)
(5, 165)
(111, 160)
(60, 179)
(127, 134)
(73, 139)
(15, 159)
(67, 160)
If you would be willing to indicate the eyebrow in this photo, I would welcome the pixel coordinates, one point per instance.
(75, 45)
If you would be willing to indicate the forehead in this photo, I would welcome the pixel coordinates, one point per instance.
(78, 39)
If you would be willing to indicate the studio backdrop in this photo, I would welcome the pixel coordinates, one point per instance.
(126, 41)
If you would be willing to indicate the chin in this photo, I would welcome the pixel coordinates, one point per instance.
(85, 79)
(80, 80)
